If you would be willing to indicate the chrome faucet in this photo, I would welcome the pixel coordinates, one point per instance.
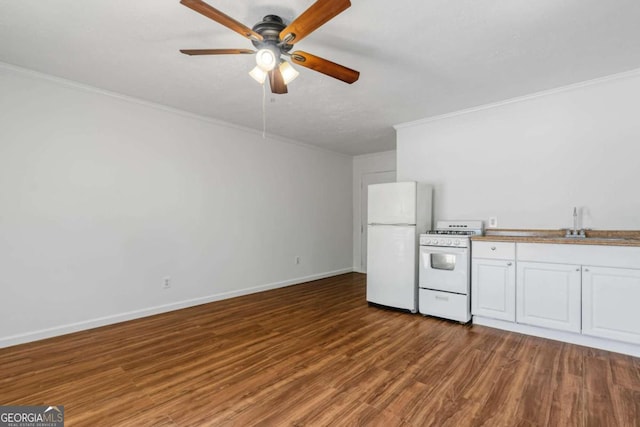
(574, 233)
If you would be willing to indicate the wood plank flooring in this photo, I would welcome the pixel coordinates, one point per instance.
(316, 354)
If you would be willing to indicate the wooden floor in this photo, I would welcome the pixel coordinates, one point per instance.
(317, 354)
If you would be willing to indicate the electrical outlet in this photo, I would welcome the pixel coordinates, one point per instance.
(493, 222)
(296, 260)
(166, 282)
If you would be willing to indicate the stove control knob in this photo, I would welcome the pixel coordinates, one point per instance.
(436, 242)
(449, 242)
(456, 242)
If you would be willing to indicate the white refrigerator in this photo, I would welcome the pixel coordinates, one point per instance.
(398, 213)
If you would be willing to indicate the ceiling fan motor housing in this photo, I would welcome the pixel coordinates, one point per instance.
(269, 28)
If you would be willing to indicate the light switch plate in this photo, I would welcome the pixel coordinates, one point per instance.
(493, 222)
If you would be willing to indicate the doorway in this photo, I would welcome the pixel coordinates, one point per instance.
(366, 180)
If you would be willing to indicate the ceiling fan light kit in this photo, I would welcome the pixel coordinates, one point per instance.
(258, 74)
(266, 59)
(289, 73)
(273, 39)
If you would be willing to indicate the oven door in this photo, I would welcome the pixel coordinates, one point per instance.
(445, 269)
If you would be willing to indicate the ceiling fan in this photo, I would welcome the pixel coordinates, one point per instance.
(273, 40)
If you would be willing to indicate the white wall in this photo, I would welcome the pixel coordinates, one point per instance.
(362, 165)
(102, 196)
(529, 161)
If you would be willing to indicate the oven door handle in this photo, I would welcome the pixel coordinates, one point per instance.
(443, 250)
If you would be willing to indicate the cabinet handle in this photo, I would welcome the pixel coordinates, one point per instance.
(442, 298)
(577, 269)
(493, 248)
(509, 264)
(586, 270)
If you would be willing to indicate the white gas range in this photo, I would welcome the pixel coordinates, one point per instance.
(445, 270)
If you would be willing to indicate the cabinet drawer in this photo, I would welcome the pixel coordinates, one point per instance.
(493, 250)
(444, 304)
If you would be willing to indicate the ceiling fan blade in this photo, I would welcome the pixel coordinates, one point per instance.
(277, 82)
(325, 66)
(213, 13)
(215, 51)
(319, 13)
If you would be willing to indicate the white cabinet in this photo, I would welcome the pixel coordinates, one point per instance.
(581, 293)
(493, 289)
(610, 299)
(548, 295)
(493, 280)
(494, 250)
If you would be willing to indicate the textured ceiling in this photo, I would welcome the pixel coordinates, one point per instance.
(417, 58)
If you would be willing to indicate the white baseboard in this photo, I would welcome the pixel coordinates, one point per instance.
(587, 341)
(123, 317)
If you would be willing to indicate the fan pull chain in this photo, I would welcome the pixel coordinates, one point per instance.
(264, 110)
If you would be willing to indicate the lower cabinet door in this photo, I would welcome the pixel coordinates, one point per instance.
(493, 289)
(548, 295)
(610, 298)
